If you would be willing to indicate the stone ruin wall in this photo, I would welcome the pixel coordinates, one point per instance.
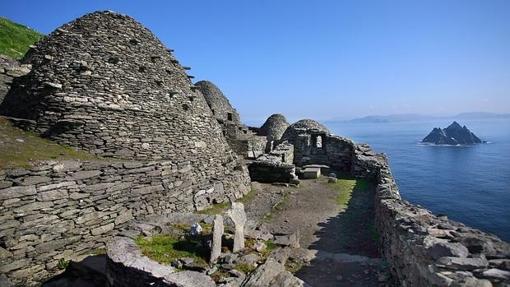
(423, 249)
(333, 150)
(67, 209)
(277, 166)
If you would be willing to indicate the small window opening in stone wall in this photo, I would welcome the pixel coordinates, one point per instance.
(142, 69)
(229, 116)
(318, 142)
(133, 42)
(154, 59)
(185, 107)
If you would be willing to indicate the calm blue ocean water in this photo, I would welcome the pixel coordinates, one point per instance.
(470, 184)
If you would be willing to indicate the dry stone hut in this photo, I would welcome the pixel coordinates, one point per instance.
(314, 144)
(246, 142)
(106, 84)
(274, 127)
(302, 126)
(219, 104)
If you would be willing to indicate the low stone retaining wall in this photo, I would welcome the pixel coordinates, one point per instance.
(428, 250)
(126, 266)
(272, 171)
(64, 210)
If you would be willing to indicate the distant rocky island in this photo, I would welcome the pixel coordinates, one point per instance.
(454, 134)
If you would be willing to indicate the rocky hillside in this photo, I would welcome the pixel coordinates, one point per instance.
(15, 38)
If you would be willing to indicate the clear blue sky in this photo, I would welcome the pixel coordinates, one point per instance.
(325, 59)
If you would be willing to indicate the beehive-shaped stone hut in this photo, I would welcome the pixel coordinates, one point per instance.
(301, 127)
(219, 104)
(274, 127)
(106, 84)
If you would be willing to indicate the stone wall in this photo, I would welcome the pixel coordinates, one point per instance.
(428, 250)
(68, 209)
(250, 146)
(10, 69)
(271, 171)
(275, 166)
(317, 147)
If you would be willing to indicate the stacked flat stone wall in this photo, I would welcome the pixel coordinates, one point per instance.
(68, 209)
(272, 171)
(250, 146)
(424, 249)
(316, 147)
(10, 69)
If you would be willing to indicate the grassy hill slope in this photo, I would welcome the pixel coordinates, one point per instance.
(19, 148)
(15, 39)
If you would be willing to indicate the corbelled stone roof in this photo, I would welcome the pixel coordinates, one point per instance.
(219, 104)
(303, 126)
(105, 83)
(274, 127)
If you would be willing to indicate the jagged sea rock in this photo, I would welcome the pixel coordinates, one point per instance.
(454, 134)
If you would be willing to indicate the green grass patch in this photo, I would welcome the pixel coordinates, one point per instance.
(165, 249)
(215, 209)
(15, 39)
(346, 187)
(244, 267)
(19, 148)
(270, 246)
(248, 197)
(62, 264)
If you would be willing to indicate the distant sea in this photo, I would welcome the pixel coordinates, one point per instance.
(470, 184)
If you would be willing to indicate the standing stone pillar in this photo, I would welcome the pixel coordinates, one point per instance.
(238, 216)
(218, 230)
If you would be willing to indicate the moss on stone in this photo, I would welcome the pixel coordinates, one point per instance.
(245, 268)
(215, 209)
(166, 248)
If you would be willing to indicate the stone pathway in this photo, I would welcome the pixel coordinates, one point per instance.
(342, 238)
